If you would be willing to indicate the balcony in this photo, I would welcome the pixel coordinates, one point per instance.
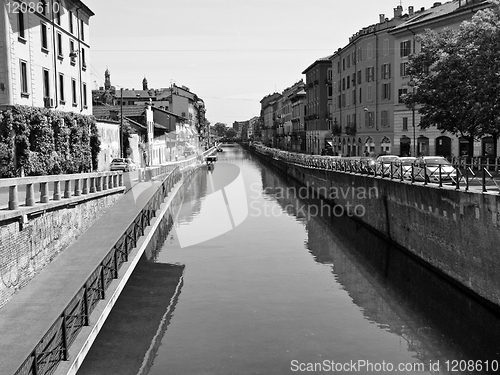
(336, 130)
(350, 129)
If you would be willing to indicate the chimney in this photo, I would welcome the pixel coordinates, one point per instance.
(436, 4)
(410, 10)
(398, 11)
(422, 9)
(382, 18)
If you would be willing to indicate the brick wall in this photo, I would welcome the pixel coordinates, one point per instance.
(25, 249)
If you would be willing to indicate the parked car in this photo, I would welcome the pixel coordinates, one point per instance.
(123, 164)
(383, 164)
(431, 168)
(404, 166)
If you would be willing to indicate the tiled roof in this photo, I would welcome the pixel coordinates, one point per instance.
(103, 111)
(430, 14)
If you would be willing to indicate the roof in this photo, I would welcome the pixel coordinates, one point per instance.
(436, 12)
(165, 111)
(318, 62)
(103, 111)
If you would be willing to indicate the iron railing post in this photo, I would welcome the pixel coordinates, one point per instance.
(484, 178)
(440, 176)
(64, 337)
(86, 304)
(34, 365)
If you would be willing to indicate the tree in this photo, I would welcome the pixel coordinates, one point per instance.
(455, 78)
(220, 129)
(230, 133)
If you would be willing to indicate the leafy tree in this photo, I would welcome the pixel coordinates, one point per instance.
(455, 78)
(220, 129)
(230, 133)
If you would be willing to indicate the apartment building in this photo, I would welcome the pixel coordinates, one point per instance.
(318, 122)
(363, 76)
(409, 139)
(267, 112)
(45, 55)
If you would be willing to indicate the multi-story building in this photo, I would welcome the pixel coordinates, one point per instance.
(298, 99)
(267, 112)
(45, 55)
(363, 81)
(318, 123)
(252, 123)
(409, 139)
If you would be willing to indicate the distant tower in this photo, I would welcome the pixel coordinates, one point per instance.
(145, 84)
(107, 80)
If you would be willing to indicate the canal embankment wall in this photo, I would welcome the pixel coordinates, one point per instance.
(456, 232)
(32, 236)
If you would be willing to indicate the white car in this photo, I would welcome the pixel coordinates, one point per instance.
(434, 169)
(383, 163)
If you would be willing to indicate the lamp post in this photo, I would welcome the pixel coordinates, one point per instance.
(413, 125)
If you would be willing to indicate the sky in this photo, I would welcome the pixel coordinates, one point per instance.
(231, 53)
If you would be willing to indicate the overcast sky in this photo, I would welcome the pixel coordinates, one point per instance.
(231, 53)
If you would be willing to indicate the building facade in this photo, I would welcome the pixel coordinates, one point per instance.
(318, 122)
(45, 55)
(409, 139)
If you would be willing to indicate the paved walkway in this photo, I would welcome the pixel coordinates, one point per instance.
(26, 318)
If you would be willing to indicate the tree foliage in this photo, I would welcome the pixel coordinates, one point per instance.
(220, 129)
(230, 133)
(456, 77)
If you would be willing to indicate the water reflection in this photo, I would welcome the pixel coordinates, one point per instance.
(397, 292)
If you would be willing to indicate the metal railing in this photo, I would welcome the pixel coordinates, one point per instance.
(53, 347)
(466, 176)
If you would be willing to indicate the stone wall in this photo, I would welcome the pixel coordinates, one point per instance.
(457, 232)
(26, 248)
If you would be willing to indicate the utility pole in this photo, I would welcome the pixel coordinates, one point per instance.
(121, 123)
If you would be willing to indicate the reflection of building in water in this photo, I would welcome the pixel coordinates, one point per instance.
(391, 288)
(136, 325)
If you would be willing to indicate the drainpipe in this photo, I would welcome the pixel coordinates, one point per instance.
(54, 53)
(80, 57)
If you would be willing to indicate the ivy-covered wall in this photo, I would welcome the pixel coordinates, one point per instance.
(41, 141)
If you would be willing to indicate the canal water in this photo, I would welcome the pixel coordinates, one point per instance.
(270, 284)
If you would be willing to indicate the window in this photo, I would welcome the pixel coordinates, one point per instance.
(369, 51)
(330, 91)
(405, 123)
(45, 40)
(359, 77)
(338, 66)
(61, 88)
(343, 83)
(59, 46)
(370, 74)
(369, 119)
(84, 63)
(70, 15)
(405, 48)
(386, 91)
(24, 78)
(359, 54)
(348, 85)
(404, 69)
(386, 71)
(84, 94)
(343, 64)
(20, 24)
(360, 97)
(73, 91)
(354, 96)
(386, 47)
(401, 92)
(384, 118)
(82, 30)
(72, 52)
(46, 83)
(369, 93)
(354, 79)
(343, 100)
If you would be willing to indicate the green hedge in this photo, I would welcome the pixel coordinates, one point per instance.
(41, 141)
